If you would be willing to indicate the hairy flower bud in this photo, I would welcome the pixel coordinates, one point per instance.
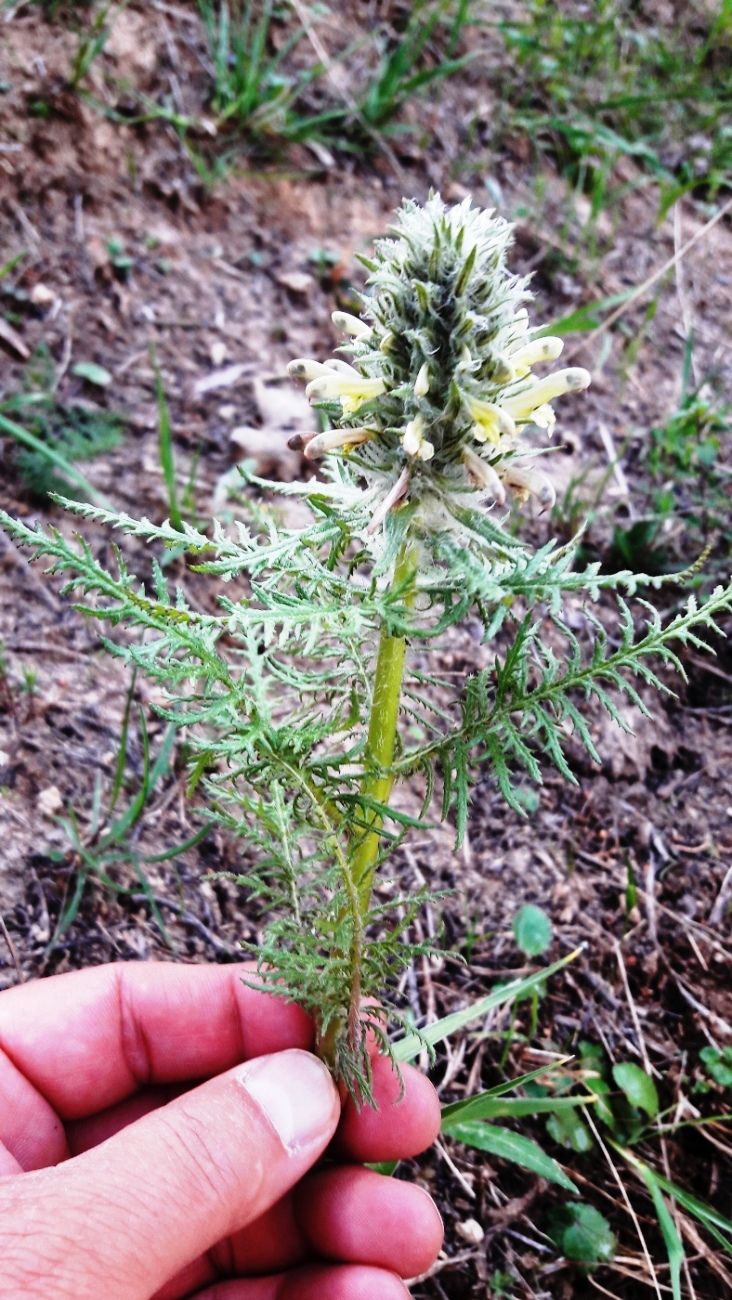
(422, 382)
(343, 320)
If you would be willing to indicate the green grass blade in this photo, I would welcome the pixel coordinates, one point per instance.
(19, 434)
(150, 777)
(409, 1047)
(500, 1089)
(121, 763)
(7, 267)
(486, 1107)
(162, 762)
(587, 317)
(460, 20)
(69, 909)
(68, 915)
(428, 75)
(716, 1224)
(672, 1240)
(147, 891)
(123, 824)
(165, 447)
(183, 847)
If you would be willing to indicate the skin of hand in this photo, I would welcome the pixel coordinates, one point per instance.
(161, 1135)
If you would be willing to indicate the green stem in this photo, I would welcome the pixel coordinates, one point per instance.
(380, 744)
(28, 439)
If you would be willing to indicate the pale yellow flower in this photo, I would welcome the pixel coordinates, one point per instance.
(306, 368)
(347, 386)
(334, 439)
(353, 325)
(528, 482)
(484, 475)
(414, 441)
(491, 421)
(522, 406)
(522, 358)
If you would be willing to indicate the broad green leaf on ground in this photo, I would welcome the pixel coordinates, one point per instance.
(532, 930)
(718, 1064)
(507, 1145)
(638, 1087)
(583, 1234)
(568, 1129)
(93, 373)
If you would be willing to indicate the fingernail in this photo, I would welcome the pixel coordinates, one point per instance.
(296, 1093)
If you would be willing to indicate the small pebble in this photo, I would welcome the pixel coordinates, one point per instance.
(470, 1231)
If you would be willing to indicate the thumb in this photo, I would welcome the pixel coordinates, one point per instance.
(124, 1217)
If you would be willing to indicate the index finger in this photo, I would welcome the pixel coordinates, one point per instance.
(88, 1039)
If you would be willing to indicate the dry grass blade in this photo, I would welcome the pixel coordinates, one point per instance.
(11, 949)
(647, 284)
(652, 1274)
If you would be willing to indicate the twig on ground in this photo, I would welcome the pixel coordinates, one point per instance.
(516, 1207)
(706, 666)
(615, 464)
(456, 1173)
(56, 650)
(25, 223)
(79, 224)
(634, 1277)
(650, 899)
(11, 949)
(633, 1010)
(719, 907)
(710, 1257)
(12, 338)
(188, 918)
(658, 274)
(65, 361)
(723, 1026)
(442, 1261)
(626, 1201)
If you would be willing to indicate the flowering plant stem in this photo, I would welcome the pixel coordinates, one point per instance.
(382, 732)
(378, 780)
(291, 712)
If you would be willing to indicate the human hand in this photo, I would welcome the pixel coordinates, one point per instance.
(124, 1177)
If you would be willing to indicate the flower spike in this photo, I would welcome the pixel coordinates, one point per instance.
(443, 352)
